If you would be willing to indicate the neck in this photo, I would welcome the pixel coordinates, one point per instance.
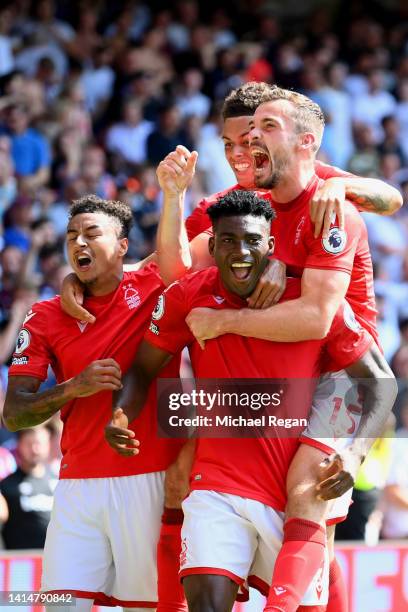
(37, 470)
(294, 182)
(105, 285)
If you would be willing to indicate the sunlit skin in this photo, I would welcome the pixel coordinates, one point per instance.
(283, 157)
(96, 251)
(241, 246)
(235, 135)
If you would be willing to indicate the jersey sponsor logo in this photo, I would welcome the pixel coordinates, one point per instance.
(218, 299)
(183, 553)
(319, 582)
(350, 319)
(299, 229)
(153, 328)
(132, 297)
(279, 590)
(158, 311)
(30, 314)
(16, 361)
(23, 341)
(335, 241)
(82, 325)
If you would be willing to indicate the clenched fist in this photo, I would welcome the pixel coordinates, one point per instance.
(176, 171)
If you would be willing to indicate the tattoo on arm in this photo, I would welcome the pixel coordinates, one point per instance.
(369, 202)
(24, 407)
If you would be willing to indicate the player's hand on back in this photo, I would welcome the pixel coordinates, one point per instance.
(100, 375)
(270, 286)
(328, 202)
(176, 171)
(119, 437)
(338, 474)
(72, 299)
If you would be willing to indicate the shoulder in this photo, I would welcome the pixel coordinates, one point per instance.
(43, 310)
(212, 199)
(148, 274)
(194, 283)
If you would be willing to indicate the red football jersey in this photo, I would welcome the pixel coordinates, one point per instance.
(50, 337)
(255, 468)
(199, 221)
(295, 245)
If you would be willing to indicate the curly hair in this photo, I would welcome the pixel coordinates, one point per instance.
(243, 101)
(119, 211)
(240, 203)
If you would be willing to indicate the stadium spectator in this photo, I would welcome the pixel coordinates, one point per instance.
(29, 491)
(191, 100)
(128, 138)
(167, 135)
(395, 522)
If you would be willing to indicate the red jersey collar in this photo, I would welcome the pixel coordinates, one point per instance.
(303, 197)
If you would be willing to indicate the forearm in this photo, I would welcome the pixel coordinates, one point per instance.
(173, 250)
(132, 397)
(25, 409)
(373, 195)
(292, 321)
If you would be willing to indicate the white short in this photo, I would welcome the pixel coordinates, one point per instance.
(239, 538)
(333, 421)
(102, 539)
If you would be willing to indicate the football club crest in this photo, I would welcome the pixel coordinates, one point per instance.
(132, 297)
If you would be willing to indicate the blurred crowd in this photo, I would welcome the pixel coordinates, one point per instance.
(94, 94)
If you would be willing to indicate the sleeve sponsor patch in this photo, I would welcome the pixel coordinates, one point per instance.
(23, 341)
(350, 319)
(20, 361)
(335, 242)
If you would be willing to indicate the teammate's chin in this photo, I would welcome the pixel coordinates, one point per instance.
(267, 178)
(243, 287)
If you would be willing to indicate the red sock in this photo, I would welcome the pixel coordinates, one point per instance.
(338, 600)
(301, 556)
(171, 594)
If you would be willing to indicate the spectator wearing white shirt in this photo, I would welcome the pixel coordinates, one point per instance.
(372, 107)
(401, 114)
(128, 138)
(191, 102)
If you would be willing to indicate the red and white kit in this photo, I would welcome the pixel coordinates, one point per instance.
(253, 469)
(103, 532)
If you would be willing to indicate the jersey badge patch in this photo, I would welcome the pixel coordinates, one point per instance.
(335, 241)
(158, 311)
(23, 341)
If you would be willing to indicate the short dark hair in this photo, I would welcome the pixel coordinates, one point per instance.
(240, 203)
(243, 101)
(113, 208)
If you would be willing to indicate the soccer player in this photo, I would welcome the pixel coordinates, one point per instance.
(286, 134)
(234, 515)
(101, 541)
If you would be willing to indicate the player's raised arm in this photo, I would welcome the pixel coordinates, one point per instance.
(25, 407)
(378, 389)
(174, 174)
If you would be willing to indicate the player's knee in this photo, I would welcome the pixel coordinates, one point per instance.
(208, 593)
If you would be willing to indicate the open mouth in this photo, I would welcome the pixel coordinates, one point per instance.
(241, 270)
(242, 167)
(83, 261)
(260, 159)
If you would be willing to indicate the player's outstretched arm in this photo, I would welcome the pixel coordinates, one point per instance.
(129, 401)
(367, 194)
(308, 317)
(174, 174)
(25, 407)
(379, 388)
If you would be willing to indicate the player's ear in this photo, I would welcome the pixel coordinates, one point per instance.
(211, 244)
(123, 246)
(307, 140)
(271, 243)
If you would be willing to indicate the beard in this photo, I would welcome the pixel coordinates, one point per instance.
(279, 163)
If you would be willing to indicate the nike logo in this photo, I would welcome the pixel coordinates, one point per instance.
(279, 590)
(30, 314)
(82, 325)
